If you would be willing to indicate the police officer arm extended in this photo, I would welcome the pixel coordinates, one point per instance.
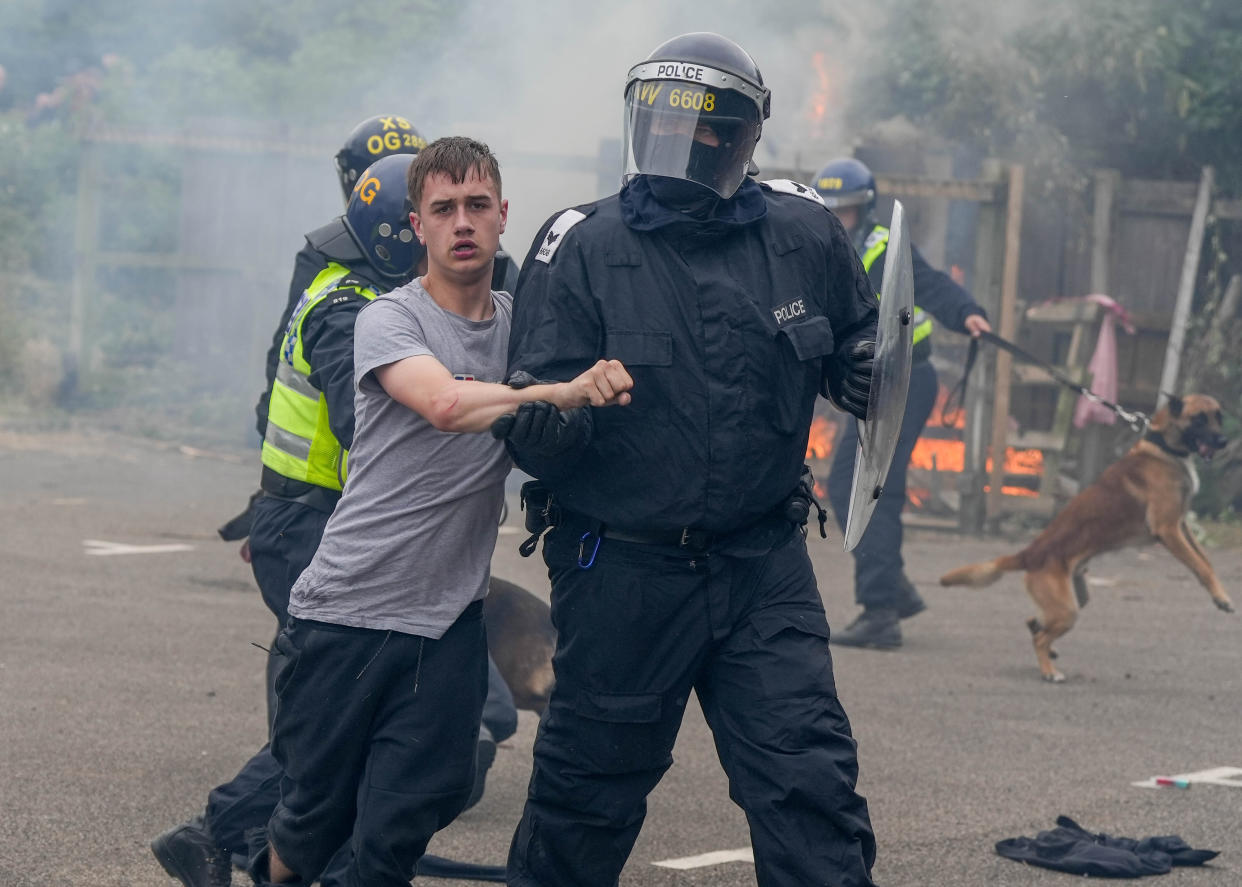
(424, 385)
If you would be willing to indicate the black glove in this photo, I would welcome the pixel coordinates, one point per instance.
(540, 429)
(847, 377)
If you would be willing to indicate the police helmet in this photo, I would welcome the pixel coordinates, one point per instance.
(694, 110)
(847, 182)
(372, 139)
(378, 218)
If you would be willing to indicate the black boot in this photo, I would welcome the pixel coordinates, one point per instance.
(908, 601)
(876, 627)
(189, 854)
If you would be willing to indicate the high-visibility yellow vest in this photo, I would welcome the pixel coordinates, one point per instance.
(874, 247)
(299, 443)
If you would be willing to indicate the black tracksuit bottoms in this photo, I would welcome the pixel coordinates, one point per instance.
(376, 734)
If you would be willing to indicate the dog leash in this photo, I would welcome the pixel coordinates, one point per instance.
(1136, 419)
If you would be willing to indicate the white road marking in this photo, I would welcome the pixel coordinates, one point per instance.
(103, 549)
(1230, 776)
(510, 531)
(703, 860)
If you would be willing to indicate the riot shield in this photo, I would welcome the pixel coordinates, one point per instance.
(890, 381)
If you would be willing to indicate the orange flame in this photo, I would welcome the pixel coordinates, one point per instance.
(823, 433)
(933, 454)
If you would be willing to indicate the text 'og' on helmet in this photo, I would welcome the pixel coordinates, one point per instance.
(378, 218)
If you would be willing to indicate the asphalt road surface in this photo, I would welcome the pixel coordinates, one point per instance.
(130, 685)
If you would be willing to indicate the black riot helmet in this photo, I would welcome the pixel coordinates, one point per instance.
(378, 218)
(372, 139)
(847, 182)
(694, 110)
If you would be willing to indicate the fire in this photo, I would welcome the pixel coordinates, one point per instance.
(935, 454)
(819, 444)
(824, 94)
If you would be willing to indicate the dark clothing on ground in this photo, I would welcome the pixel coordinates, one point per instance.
(725, 326)
(375, 725)
(1070, 848)
(878, 564)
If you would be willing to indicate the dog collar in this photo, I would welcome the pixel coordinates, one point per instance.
(1158, 439)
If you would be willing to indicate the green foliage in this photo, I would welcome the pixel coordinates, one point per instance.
(1145, 86)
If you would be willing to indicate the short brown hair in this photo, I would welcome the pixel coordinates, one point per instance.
(455, 157)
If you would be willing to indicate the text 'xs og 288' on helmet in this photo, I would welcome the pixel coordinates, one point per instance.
(372, 139)
(694, 110)
(378, 218)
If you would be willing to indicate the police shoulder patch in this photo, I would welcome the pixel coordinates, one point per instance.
(556, 234)
(789, 186)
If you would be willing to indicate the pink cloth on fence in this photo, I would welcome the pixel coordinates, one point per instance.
(1103, 365)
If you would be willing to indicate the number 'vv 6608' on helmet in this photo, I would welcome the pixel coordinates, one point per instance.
(378, 218)
(694, 110)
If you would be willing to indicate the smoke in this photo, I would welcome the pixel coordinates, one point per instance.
(541, 83)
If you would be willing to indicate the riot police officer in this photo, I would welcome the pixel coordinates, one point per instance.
(880, 583)
(674, 562)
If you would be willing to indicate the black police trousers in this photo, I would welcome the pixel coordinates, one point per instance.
(878, 564)
(284, 536)
(637, 631)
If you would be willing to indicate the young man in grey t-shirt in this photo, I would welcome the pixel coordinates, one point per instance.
(385, 654)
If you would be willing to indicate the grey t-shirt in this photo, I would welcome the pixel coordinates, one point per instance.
(410, 543)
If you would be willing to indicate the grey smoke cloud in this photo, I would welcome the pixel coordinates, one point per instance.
(544, 80)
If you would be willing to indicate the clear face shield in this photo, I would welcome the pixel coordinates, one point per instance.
(691, 129)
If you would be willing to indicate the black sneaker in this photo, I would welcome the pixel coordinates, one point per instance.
(908, 600)
(877, 627)
(484, 755)
(188, 854)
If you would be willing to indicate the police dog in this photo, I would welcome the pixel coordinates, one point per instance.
(521, 639)
(1143, 497)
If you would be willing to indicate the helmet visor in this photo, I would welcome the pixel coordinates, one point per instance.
(689, 131)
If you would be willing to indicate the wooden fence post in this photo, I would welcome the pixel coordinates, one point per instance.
(972, 507)
(1186, 288)
(1008, 325)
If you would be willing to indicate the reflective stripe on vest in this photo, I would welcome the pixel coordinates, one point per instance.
(873, 248)
(299, 442)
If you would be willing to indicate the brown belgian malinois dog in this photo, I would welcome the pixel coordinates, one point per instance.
(521, 639)
(1141, 498)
